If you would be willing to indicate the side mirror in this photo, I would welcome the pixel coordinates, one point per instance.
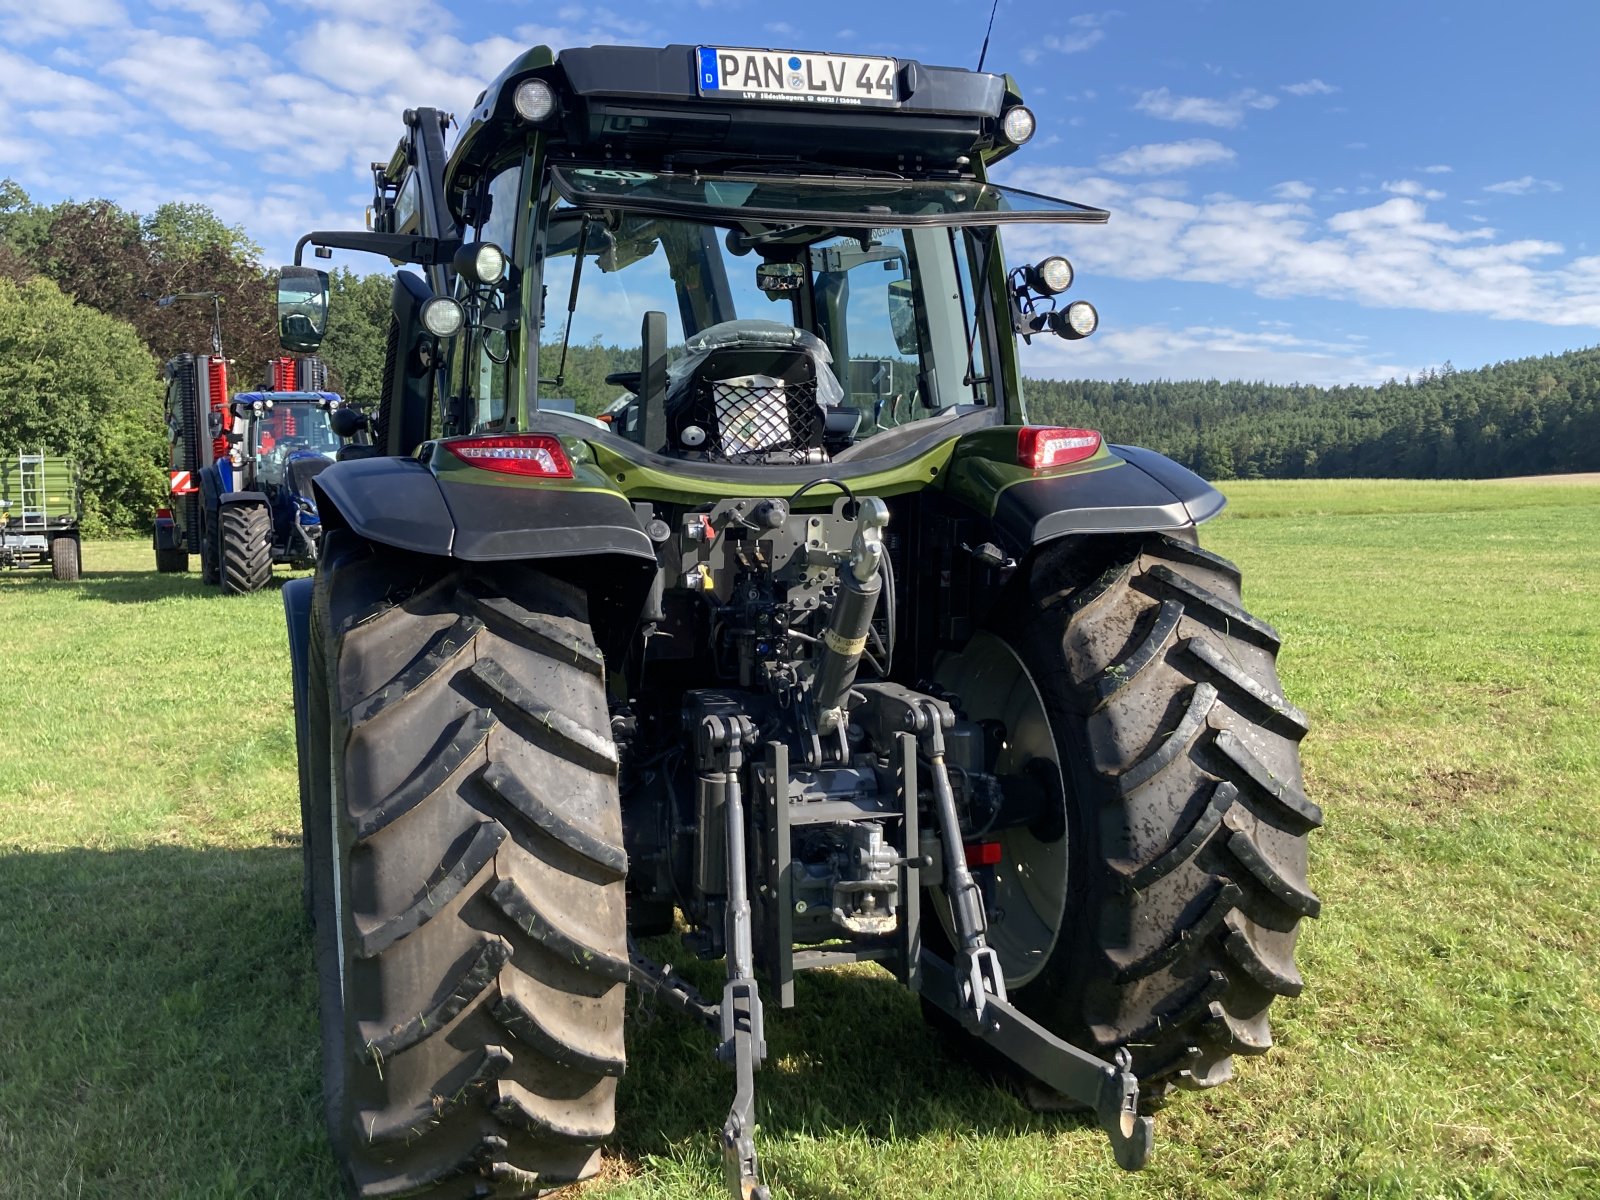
(347, 422)
(903, 318)
(302, 308)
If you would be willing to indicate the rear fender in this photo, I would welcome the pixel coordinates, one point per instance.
(297, 611)
(1122, 489)
(450, 510)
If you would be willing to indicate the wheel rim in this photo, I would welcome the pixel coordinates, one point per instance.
(991, 682)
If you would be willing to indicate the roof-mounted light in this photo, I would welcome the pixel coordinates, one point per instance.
(1018, 124)
(534, 100)
(1044, 447)
(533, 454)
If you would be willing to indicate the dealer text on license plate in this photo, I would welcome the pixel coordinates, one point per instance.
(787, 75)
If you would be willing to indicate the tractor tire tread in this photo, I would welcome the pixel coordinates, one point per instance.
(246, 548)
(1191, 820)
(479, 838)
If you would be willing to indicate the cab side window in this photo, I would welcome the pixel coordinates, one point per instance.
(487, 364)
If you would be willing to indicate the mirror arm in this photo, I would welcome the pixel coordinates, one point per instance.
(423, 251)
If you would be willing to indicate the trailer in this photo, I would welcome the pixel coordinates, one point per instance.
(41, 508)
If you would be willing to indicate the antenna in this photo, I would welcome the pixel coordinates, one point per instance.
(984, 53)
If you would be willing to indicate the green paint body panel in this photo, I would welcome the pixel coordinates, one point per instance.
(50, 485)
(975, 469)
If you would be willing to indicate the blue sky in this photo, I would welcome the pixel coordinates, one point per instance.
(1300, 192)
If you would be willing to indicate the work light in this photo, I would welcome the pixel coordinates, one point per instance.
(481, 262)
(1050, 276)
(443, 317)
(1018, 124)
(534, 100)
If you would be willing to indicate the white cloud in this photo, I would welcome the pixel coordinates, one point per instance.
(1311, 87)
(1410, 187)
(1161, 158)
(1075, 43)
(1293, 189)
(1149, 352)
(28, 82)
(223, 18)
(1387, 255)
(1438, 169)
(781, 28)
(1225, 112)
(1522, 186)
(28, 21)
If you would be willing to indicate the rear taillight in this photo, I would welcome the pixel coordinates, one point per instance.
(1045, 446)
(536, 454)
(163, 514)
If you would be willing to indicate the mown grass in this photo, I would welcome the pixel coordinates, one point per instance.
(157, 1029)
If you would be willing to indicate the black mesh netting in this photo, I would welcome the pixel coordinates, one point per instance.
(756, 418)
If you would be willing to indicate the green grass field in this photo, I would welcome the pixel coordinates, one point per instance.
(157, 1026)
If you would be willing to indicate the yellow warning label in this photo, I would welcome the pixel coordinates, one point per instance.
(843, 645)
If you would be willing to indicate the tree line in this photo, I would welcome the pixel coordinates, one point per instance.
(1530, 416)
(83, 338)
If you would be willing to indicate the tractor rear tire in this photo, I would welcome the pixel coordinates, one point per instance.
(172, 562)
(1185, 819)
(465, 836)
(246, 536)
(66, 558)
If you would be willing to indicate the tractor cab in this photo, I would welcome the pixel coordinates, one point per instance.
(629, 220)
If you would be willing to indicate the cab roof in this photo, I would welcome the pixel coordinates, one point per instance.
(645, 105)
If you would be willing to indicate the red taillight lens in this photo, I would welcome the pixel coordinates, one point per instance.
(983, 854)
(536, 454)
(163, 514)
(1044, 446)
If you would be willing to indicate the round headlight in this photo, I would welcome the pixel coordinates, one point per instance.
(481, 262)
(1078, 321)
(443, 317)
(1051, 276)
(1017, 124)
(534, 100)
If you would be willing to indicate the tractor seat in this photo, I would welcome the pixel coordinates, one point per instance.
(751, 392)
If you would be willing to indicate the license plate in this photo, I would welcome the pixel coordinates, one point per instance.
(787, 75)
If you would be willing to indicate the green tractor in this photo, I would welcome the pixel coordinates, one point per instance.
(41, 507)
(808, 648)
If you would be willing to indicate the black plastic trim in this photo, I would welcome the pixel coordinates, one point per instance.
(1146, 491)
(1201, 499)
(495, 523)
(393, 501)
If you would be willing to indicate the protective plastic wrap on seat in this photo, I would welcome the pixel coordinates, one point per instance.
(758, 335)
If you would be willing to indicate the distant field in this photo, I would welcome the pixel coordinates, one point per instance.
(157, 1027)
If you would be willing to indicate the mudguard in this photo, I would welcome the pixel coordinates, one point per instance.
(1138, 490)
(400, 502)
(166, 535)
(297, 611)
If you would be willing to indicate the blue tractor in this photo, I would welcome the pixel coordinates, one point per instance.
(257, 505)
